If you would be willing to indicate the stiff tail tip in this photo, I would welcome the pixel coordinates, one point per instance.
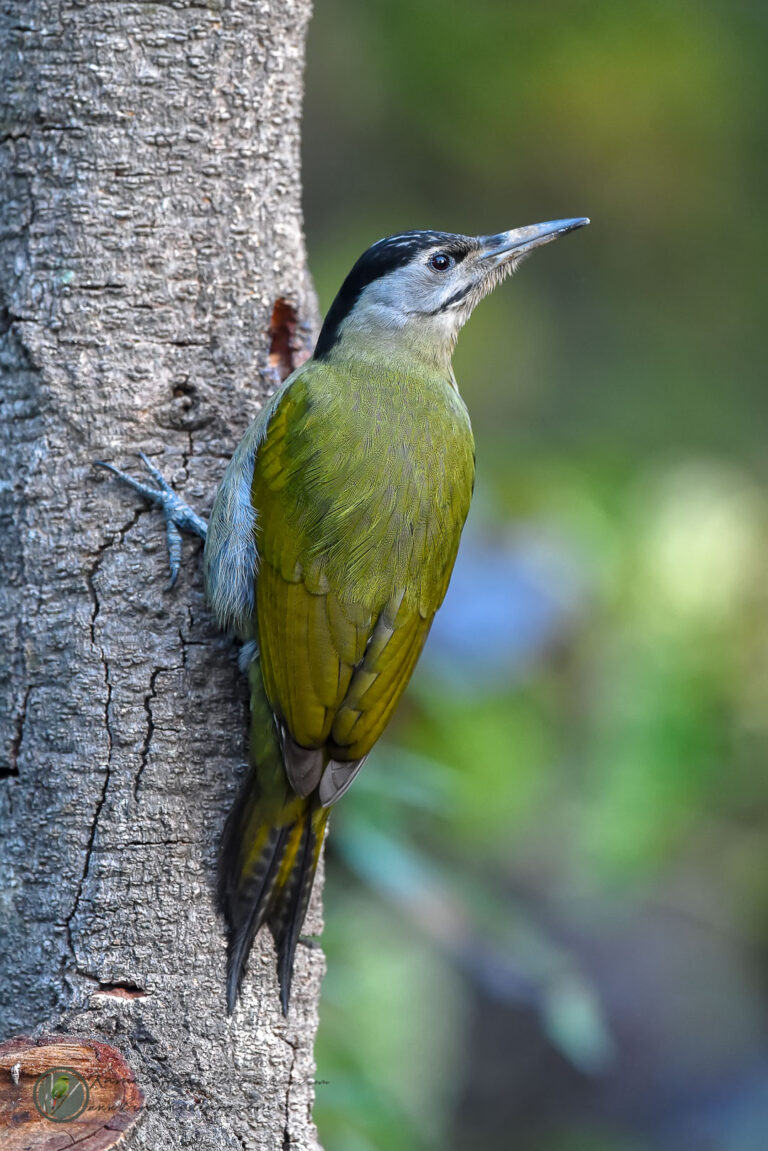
(266, 873)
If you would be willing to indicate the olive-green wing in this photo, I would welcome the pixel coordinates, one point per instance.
(332, 671)
(335, 659)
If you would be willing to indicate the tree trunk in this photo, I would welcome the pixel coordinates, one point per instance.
(151, 266)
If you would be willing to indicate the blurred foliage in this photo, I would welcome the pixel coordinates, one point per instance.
(547, 908)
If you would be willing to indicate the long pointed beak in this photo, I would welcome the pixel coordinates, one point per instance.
(520, 241)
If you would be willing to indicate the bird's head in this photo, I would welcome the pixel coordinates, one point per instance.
(412, 293)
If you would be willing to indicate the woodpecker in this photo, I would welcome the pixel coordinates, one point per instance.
(59, 1091)
(329, 549)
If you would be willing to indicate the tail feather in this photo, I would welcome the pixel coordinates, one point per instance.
(270, 885)
(288, 906)
(245, 908)
(269, 854)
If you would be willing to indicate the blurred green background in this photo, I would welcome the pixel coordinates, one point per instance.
(547, 906)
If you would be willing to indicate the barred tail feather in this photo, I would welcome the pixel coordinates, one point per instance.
(269, 852)
(245, 884)
(290, 899)
(266, 868)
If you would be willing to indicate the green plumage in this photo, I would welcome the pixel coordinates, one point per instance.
(361, 481)
(331, 543)
(362, 486)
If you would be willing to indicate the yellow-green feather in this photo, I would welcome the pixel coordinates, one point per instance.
(365, 482)
(361, 484)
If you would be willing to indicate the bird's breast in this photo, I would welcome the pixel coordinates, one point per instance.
(379, 487)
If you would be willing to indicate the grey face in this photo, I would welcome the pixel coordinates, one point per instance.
(421, 287)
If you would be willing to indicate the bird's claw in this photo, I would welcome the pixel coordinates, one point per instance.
(178, 515)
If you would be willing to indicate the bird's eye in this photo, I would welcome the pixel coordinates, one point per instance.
(440, 262)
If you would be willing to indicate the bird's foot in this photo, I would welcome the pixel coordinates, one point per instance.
(178, 515)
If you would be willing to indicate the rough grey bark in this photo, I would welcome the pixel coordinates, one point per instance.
(149, 221)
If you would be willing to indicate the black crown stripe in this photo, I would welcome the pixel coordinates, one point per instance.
(382, 257)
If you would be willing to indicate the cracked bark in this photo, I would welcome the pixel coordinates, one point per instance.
(152, 281)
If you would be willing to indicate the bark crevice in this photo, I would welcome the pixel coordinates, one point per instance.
(96, 814)
(147, 744)
(18, 736)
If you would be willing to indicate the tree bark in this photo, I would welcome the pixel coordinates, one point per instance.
(151, 266)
